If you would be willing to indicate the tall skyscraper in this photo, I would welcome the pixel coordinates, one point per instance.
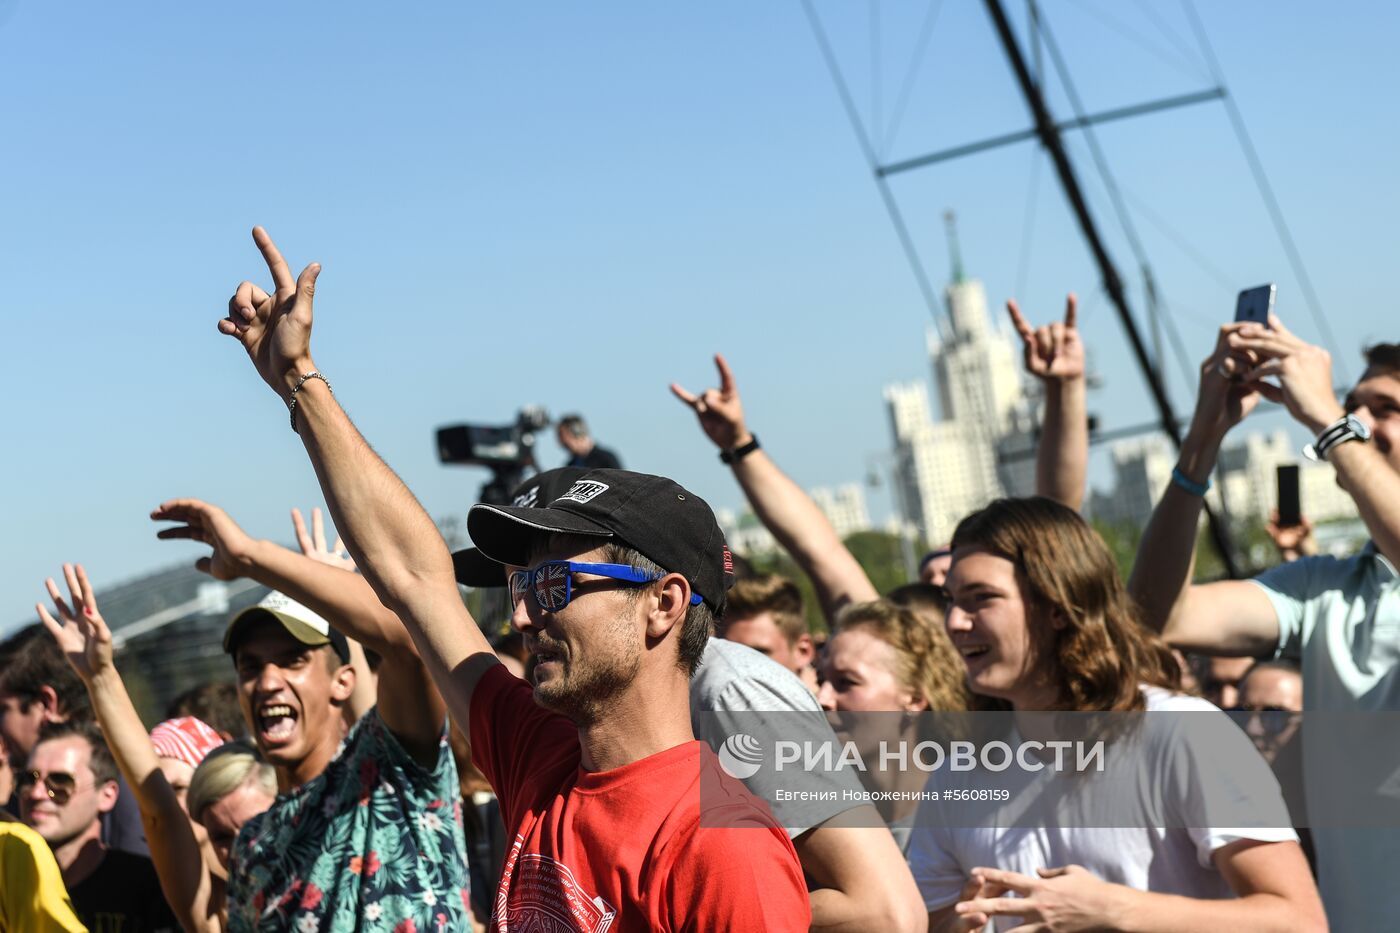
(974, 367)
(948, 467)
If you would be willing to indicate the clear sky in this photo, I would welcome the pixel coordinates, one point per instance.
(574, 204)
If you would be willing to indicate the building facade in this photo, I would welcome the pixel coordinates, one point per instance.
(1246, 472)
(844, 506)
(974, 450)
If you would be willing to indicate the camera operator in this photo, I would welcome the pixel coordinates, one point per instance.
(583, 452)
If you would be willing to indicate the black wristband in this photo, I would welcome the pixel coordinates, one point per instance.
(739, 453)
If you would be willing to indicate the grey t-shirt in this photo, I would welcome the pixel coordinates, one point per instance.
(736, 679)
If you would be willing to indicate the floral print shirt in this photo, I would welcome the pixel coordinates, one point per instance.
(373, 843)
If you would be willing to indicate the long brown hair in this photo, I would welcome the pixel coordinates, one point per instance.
(1102, 654)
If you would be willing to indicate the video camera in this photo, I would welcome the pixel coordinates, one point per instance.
(506, 450)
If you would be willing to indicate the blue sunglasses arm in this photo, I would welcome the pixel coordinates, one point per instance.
(624, 572)
(613, 571)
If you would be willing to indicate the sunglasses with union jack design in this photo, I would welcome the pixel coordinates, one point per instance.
(552, 583)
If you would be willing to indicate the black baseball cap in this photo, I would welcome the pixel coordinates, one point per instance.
(474, 568)
(654, 515)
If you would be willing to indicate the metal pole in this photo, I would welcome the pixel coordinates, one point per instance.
(1050, 138)
(897, 468)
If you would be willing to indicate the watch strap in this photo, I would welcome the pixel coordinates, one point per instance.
(735, 454)
(1338, 432)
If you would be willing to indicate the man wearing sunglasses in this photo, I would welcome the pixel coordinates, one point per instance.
(859, 877)
(1271, 704)
(615, 583)
(599, 776)
(38, 687)
(69, 781)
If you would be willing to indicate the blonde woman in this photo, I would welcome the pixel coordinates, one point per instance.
(884, 658)
(231, 786)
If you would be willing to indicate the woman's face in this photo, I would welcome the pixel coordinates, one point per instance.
(178, 774)
(225, 817)
(860, 676)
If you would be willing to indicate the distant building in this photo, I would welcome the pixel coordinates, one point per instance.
(1142, 467)
(844, 506)
(168, 629)
(1246, 471)
(975, 450)
(745, 534)
(975, 367)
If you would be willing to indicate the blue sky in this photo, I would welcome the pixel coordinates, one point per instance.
(573, 205)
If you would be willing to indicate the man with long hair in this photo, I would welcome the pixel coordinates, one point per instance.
(1043, 623)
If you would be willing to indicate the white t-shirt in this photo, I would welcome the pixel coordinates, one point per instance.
(1146, 857)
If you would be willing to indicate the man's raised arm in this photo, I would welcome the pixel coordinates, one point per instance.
(782, 506)
(1233, 617)
(409, 703)
(394, 542)
(1054, 354)
(1305, 388)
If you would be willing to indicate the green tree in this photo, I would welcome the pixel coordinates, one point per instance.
(1122, 539)
(881, 555)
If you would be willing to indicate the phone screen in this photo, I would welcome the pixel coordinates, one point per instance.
(1254, 305)
(1290, 511)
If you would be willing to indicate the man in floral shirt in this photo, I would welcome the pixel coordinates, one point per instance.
(366, 832)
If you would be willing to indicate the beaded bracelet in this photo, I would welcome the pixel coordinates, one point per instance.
(292, 398)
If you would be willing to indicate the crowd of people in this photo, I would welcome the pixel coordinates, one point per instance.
(376, 762)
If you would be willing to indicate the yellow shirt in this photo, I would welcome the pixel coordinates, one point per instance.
(32, 895)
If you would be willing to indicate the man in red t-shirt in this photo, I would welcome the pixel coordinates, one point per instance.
(615, 586)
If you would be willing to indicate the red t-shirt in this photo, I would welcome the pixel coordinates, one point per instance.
(625, 849)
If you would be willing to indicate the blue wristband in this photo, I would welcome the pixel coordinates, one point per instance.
(1184, 482)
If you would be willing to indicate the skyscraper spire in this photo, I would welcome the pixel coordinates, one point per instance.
(950, 220)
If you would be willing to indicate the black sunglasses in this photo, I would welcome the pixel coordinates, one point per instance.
(1274, 719)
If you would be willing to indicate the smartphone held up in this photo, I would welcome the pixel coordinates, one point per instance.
(1255, 305)
(1290, 506)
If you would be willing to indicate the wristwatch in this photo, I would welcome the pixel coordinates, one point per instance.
(740, 452)
(1348, 428)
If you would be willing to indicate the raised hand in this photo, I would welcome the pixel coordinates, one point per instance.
(1227, 395)
(1304, 372)
(1292, 541)
(720, 411)
(210, 524)
(275, 328)
(1053, 351)
(314, 545)
(81, 634)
